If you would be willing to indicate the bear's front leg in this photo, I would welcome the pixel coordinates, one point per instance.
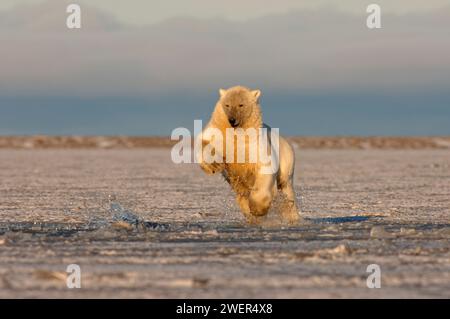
(212, 168)
(261, 195)
(245, 209)
(209, 168)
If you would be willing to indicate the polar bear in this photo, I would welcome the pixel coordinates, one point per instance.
(238, 108)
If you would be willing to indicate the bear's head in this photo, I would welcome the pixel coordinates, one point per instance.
(240, 105)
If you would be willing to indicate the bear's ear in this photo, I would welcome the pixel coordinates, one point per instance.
(256, 94)
(222, 92)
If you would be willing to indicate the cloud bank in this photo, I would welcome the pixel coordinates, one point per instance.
(311, 50)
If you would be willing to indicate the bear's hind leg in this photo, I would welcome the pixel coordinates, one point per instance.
(289, 210)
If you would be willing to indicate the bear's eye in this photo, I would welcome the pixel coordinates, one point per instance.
(227, 105)
(241, 105)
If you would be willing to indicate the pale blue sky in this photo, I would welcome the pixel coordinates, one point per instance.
(144, 67)
(152, 11)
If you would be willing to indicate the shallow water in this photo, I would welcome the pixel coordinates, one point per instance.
(140, 226)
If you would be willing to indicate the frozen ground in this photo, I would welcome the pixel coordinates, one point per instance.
(140, 226)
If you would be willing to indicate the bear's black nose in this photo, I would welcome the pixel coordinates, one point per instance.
(233, 122)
